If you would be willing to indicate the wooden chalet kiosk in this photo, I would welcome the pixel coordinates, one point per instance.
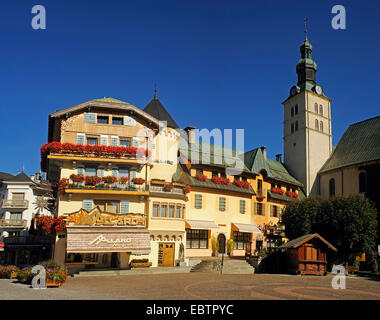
(307, 255)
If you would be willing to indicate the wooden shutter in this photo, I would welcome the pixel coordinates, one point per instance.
(114, 141)
(263, 209)
(124, 206)
(81, 138)
(271, 211)
(89, 117)
(255, 208)
(104, 140)
(88, 205)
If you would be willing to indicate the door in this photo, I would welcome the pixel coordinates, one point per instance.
(222, 243)
(166, 254)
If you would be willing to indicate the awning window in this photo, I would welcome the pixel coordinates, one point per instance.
(201, 224)
(250, 228)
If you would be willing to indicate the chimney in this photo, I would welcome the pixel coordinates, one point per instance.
(278, 157)
(190, 134)
(263, 149)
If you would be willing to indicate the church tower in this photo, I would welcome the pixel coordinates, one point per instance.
(307, 124)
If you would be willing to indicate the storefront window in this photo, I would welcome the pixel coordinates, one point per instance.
(241, 239)
(196, 239)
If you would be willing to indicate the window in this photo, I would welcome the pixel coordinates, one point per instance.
(92, 140)
(171, 211)
(198, 201)
(90, 172)
(292, 128)
(362, 182)
(101, 172)
(274, 211)
(164, 207)
(260, 209)
(316, 107)
(183, 212)
(198, 171)
(215, 173)
(242, 206)
(196, 239)
(156, 207)
(223, 175)
(332, 187)
(241, 239)
(320, 109)
(244, 179)
(103, 119)
(316, 124)
(88, 205)
(115, 172)
(292, 112)
(222, 204)
(321, 126)
(259, 187)
(296, 126)
(117, 120)
(296, 109)
(18, 196)
(178, 212)
(81, 138)
(15, 216)
(114, 141)
(107, 205)
(125, 142)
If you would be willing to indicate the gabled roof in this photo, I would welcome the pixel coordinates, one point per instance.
(295, 243)
(157, 110)
(360, 143)
(6, 176)
(21, 177)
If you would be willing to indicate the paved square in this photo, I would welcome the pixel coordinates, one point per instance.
(202, 286)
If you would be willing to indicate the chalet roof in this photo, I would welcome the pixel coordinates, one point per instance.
(157, 110)
(360, 143)
(6, 176)
(295, 243)
(21, 177)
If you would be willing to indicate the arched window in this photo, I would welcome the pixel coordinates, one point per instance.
(332, 187)
(292, 112)
(296, 126)
(316, 124)
(292, 128)
(296, 109)
(320, 109)
(362, 182)
(316, 108)
(321, 126)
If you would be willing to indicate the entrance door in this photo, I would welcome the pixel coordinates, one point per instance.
(166, 254)
(222, 243)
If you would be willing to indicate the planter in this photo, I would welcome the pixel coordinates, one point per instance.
(140, 264)
(52, 284)
(13, 275)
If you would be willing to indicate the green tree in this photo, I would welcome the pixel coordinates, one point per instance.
(348, 223)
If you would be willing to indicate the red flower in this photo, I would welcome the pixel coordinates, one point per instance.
(242, 184)
(168, 187)
(201, 177)
(187, 189)
(138, 180)
(220, 180)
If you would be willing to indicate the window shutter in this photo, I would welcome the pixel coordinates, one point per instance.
(271, 211)
(104, 140)
(90, 117)
(124, 206)
(135, 142)
(87, 205)
(255, 208)
(263, 209)
(81, 138)
(81, 170)
(129, 121)
(114, 141)
(101, 172)
(133, 175)
(115, 172)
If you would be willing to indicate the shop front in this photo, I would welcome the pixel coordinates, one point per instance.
(243, 236)
(101, 240)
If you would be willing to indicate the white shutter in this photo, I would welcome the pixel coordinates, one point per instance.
(100, 172)
(128, 121)
(124, 206)
(81, 170)
(115, 172)
(104, 140)
(114, 141)
(81, 138)
(88, 204)
(135, 142)
(89, 117)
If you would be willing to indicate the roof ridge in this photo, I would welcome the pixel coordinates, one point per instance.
(353, 124)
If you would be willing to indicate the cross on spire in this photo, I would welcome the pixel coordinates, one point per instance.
(305, 22)
(155, 91)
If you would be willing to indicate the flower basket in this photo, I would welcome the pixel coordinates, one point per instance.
(13, 275)
(140, 264)
(52, 284)
(138, 180)
(242, 184)
(220, 180)
(187, 189)
(168, 187)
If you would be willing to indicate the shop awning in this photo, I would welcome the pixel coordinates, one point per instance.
(250, 228)
(201, 224)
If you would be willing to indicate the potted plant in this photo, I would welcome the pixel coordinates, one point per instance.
(201, 177)
(168, 187)
(230, 246)
(187, 189)
(140, 263)
(215, 246)
(138, 180)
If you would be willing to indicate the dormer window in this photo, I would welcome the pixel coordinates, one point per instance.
(117, 120)
(103, 119)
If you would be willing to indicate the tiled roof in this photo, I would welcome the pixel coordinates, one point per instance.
(6, 176)
(295, 243)
(360, 143)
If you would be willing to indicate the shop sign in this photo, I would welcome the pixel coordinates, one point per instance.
(360, 258)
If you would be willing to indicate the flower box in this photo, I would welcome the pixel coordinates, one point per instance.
(140, 264)
(13, 275)
(201, 177)
(50, 284)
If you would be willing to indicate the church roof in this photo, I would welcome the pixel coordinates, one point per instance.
(360, 143)
(157, 110)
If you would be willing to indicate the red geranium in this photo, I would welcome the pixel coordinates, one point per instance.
(242, 184)
(138, 180)
(187, 189)
(201, 177)
(220, 180)
(62, 185)
(168, 187)
(123, 180)
(277, 190)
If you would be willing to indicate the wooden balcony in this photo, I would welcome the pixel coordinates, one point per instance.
(261, 193)
(15, 204)
(9, 223)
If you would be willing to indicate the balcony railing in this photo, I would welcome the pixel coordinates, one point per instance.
(261, 193)
(15, 204)
(160, 188)
(105, 187)
(13, 223)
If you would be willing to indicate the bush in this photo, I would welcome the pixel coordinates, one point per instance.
(6, 271)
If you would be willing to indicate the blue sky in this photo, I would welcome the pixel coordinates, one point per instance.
(217, 64)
